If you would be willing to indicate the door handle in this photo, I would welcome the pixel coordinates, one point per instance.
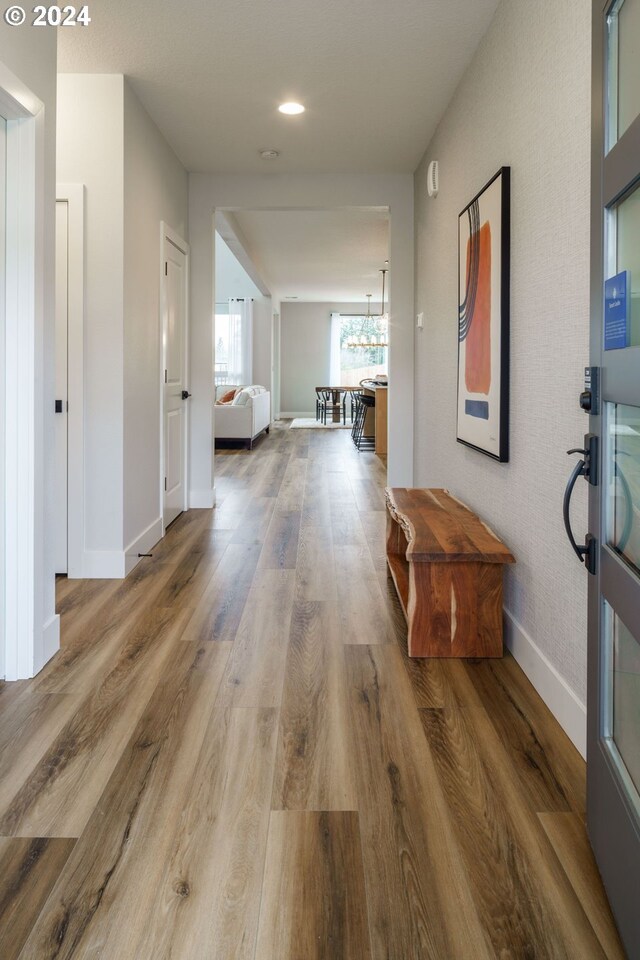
(185, 394)
(587, 468)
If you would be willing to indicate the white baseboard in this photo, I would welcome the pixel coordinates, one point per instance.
(117, 564)
(292, 416)
(50, 642)
(566, 707)
(102, 565)
(142, 544)
(202, 499)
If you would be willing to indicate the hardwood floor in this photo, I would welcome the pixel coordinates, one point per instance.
(233, 758)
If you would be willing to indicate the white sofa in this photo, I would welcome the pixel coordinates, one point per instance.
(245, 417)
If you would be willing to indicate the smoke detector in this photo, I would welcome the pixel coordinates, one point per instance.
(269, 154)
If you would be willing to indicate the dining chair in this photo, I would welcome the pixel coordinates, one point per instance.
(332, 403)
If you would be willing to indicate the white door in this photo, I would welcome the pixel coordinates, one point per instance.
(175, 390)
(3, 264)
(61, 418)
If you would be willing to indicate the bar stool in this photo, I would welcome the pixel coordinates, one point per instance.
(364, 403)
(352, 402)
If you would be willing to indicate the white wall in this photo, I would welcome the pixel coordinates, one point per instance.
(206, 193)
(276, 325)
(305, 352)
(524, 102)
(90, 151)
(262, 346)
(133, 181)
(155, 190)
(31, 56)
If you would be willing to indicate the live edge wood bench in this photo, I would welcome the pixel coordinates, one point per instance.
(447, 568)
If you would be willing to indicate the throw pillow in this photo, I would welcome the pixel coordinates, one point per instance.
(228, 396)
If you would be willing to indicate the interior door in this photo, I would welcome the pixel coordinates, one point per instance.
(175, 391)
(62, 379)
(613, 759)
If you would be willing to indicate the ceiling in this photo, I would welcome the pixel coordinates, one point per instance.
(318, 255)
(375, 76)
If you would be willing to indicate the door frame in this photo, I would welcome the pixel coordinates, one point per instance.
(169, 235)
(31, 633)
(73, 194)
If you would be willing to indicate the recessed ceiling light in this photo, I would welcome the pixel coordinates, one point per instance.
(291, 108)
(269, 154)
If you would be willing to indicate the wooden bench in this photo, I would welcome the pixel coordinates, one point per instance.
(447, 568)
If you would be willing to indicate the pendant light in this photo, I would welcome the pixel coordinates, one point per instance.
(381, 340)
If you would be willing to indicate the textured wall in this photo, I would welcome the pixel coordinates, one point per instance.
(524, 102)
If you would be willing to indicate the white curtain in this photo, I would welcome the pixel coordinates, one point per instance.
(240, 342)
(334, 355)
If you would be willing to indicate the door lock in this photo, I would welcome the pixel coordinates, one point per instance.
(185, 394)
(590, 396)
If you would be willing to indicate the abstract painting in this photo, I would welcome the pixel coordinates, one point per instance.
(483, 319)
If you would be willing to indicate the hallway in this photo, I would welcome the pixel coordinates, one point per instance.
(232, 758)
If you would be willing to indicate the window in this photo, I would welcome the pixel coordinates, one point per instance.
(221, 341)
(233, 343)
(363, 348)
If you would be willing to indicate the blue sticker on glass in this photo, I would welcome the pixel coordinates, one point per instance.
(616, 311)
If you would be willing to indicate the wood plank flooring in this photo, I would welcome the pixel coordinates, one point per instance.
(233, 758)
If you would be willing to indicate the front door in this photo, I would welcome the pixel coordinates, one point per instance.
(175, 391)
(613, 757)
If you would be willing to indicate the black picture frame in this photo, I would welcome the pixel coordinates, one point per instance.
(484, 290)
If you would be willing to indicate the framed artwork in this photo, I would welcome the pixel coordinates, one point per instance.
(483, 319)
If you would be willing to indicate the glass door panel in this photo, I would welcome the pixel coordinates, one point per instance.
(624, 712)
(623, 25)
(624, 254)
(624, 482)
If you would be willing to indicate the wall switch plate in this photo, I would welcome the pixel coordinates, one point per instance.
(420, 321)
